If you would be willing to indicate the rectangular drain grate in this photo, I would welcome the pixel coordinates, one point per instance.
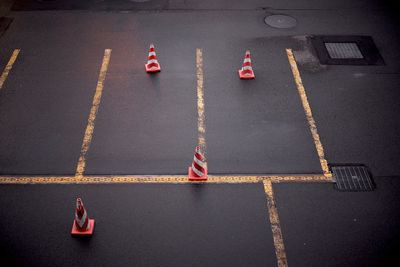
(343, 50)
(352, 178)
(346, 50)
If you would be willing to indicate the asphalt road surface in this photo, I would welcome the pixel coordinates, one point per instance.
(52, 130)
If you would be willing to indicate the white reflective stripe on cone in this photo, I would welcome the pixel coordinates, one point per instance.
(152, 61)
(81, 222)
(196, 171)
(247, 60)
(151, 46)
(152, 53)
(247, 68)
(199, 162)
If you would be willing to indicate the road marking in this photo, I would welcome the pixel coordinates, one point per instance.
(165, 179)
(80, 169)
(8, 67)
(300, 178)
(201, 120)
(275, 225)
(309, 116)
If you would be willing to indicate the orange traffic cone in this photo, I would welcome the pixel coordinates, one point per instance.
(82, 226)
(198, 170)
(246, 72)
(152, 63)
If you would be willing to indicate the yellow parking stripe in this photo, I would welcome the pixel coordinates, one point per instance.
(172, 179)
(201, 120)
(8, 67)
(309, 116)
(275, 225)
(87, 139)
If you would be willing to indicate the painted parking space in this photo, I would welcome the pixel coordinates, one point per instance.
(255, 126)
(43, 106)
(364, 110)
(147, 123)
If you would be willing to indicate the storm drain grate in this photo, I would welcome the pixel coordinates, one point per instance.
(352, 178)
(343, 50)
(346, 50)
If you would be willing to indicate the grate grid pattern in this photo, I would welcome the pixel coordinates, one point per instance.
(343, 50)
(352, 178)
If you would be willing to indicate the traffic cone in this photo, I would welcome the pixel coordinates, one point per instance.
(198, 170)
(246, 72)
(152, 63)
(82, 226)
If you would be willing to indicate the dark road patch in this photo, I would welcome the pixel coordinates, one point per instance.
(109, 5)
(138, 225)
(4, 24)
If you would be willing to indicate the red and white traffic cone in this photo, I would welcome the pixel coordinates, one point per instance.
(246, 72)
(198, 170)
(152, 64)
(83, 226)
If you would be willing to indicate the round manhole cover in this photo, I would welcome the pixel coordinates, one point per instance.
(280, 21)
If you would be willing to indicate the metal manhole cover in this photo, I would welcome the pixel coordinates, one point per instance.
(280, 21)
(352, 178)
(343, 50)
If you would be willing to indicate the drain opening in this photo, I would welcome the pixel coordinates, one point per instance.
(352, 178)
(343, 50)
(346, 50)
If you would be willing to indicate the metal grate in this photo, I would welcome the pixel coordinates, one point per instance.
(343, 50)
(352, 178)
(346, 50)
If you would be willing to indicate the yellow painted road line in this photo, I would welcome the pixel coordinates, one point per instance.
(300, 178)
(165, 179)
(87, 139)
(8, 67)
(128, 179)
(275, 225)
(201, 121)
(309, 116)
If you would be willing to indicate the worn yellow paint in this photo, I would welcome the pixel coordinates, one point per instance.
(275, 225)
(201, 121)
(8, 67)
(165, 179)
(300, 178)
(308, 112)
(80, 169)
